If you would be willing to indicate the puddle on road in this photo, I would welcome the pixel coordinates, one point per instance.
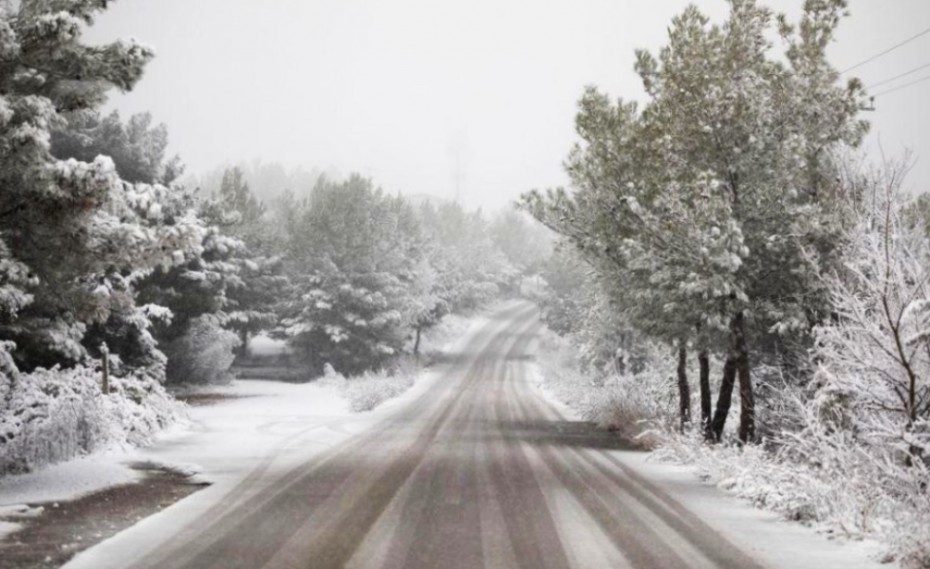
(63, 529)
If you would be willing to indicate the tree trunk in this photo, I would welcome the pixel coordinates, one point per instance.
(105, 365)
(747, 417)
(416, 344)
(244, 345)
(724, 399)
(620, 361)
(8, 369)
(704, 366)
(684, 390)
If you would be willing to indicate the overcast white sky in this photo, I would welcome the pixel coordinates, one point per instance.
(403, 90)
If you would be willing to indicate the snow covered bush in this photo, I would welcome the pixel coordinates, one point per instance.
(370, 389)
(640, 406)
(473, 295)
(852, 448)
(824, 478)
(872, 385)
(51, 415)
(202, 354)
(874, 372)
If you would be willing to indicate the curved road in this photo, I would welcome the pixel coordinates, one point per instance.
(478, 471)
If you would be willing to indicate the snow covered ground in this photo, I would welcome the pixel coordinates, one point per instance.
(250, 424)
(262, 428)
(69, 479)
(245, 443)
(12, 514)
(250, 429)
(219, 441)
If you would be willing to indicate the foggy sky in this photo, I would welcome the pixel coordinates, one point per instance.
(431, 97)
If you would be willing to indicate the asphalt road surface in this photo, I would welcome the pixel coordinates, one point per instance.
(477, 472)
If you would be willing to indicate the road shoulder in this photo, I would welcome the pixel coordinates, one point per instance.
(778, 543)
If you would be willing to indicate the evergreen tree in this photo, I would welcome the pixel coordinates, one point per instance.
(187, 297)
(137, 148)
(353, 256)
(714, 206)
(253, 298)
(75, 236)
(525, 245)
(471, 269)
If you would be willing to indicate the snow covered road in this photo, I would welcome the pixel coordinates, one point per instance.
(470, 469)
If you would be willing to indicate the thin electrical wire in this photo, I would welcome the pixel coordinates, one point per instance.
(887, 51)
(896, 77)
(905, 86)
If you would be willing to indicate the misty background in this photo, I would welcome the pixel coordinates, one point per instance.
(470, 100)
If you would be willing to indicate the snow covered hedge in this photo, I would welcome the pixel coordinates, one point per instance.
(822, 478)
(52, 415)
(370, 389)
(638, 406)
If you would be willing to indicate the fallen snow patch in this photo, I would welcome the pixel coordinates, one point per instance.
(67, 480)
(7, 528)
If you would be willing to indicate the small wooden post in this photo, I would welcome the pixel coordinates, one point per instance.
(105, 352)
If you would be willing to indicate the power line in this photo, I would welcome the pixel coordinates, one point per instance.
(906, 85)
(887, 51)
(896, 77)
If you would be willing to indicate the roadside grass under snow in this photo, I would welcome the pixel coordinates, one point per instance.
(638, 407)
(840, 491)
(819, 482)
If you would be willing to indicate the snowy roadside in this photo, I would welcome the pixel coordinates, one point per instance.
(237, 438)
(248, 443)
(765, 535)
(15, 515)
(219, 438)
(371, 389)
(245, 423)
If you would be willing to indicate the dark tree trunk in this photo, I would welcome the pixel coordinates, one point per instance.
(747, 417)
(416, 344)
(244, 343)
(620, 361)
(704, 366)
(105, 368)
(684, 390)
(724, 399)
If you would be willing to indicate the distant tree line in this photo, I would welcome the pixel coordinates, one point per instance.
(103, 250)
